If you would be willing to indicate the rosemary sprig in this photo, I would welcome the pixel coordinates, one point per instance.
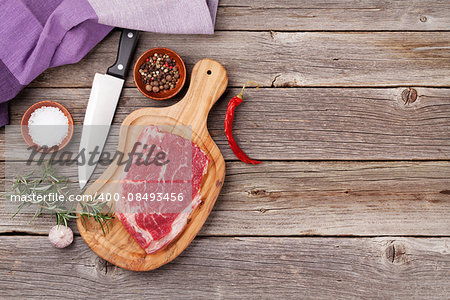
(62, 208)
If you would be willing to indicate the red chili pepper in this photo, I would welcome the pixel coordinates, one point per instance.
(229, 117)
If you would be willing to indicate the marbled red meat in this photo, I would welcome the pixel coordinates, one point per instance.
(153, 224)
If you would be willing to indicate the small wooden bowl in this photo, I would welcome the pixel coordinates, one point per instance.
(165, 94)
(24, 126)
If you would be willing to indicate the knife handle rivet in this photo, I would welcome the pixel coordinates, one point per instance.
(130, 35)
(120, 67)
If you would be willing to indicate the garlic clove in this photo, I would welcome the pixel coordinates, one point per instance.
(60, 236)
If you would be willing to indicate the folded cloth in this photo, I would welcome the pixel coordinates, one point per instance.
(36, 35)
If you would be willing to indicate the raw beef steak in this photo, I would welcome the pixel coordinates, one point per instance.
(153, 224)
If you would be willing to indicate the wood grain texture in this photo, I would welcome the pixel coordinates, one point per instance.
(315, 198)
(299, 123)
(252, 268)
(302, 15)
(340, 44)
(209, 81)
(288, 58)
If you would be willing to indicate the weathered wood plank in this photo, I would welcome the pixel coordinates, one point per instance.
(302, 124)
(336, 15)
(310, 268)
(315, 198)
(289, 58)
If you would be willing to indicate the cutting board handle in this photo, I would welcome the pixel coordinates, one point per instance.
(208, 82)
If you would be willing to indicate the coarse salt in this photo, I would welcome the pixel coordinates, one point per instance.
(48, 126)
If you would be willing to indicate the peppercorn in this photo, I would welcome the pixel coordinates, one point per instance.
(159, 73)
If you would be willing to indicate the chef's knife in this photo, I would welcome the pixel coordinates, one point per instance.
(102, 104)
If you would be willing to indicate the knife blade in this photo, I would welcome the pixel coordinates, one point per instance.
(105, 94)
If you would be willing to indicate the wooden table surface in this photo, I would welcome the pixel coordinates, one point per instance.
(353, 124)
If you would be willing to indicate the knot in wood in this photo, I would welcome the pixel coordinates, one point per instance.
(409, 95)
(105, 268)
(258, 193)
(396, 253)
(100, 265)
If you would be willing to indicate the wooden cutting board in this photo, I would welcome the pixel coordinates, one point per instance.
(208, 82)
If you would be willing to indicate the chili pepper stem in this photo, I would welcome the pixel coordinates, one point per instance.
(241, 94)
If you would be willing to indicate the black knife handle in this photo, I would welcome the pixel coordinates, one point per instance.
(127, 45)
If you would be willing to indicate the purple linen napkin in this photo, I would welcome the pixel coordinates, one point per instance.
(36, 35)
